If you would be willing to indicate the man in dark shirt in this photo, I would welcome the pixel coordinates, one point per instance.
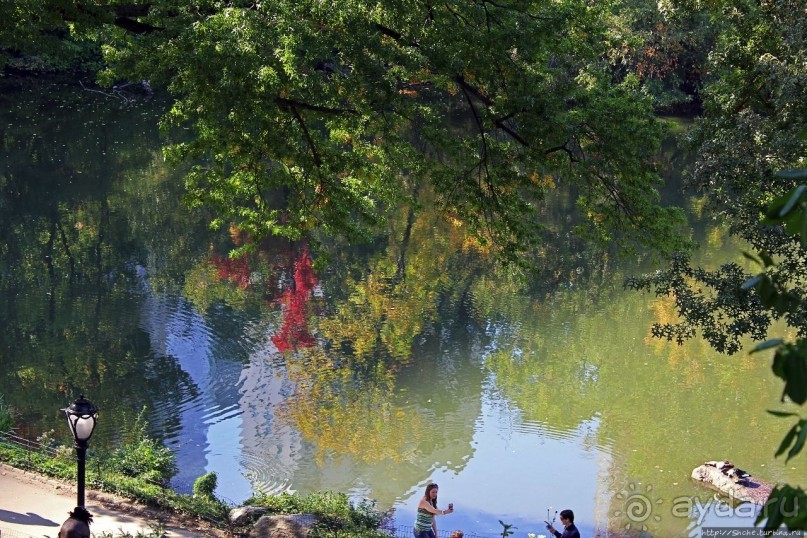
(570, 531)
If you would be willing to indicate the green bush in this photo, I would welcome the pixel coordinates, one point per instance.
(145, 458)
(285, 503)
(140, 455)
(205, 486)
(6, 419)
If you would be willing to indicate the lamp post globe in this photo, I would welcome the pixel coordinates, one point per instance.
(82, 417)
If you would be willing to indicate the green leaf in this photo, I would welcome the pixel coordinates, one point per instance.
(793, 173)
(799, 444)
(752, 257)
(794, 198)
(782, 413)
(793, 222)
(787, 441)
(775, 207)
(768, 294)
(768, 344)
(752, 282)
(790, 365)
(784, 507)
(786, 303)
(803, 233)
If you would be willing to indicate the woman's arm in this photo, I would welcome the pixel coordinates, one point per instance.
(431, 509)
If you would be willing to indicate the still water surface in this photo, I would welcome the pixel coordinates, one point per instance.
(372, 370)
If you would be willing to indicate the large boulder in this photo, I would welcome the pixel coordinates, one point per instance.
(752, 489)
(286, 526)
(242, 516)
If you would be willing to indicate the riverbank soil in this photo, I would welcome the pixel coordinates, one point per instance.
(35, 506)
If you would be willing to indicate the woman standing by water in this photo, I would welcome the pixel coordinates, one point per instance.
(426, 524)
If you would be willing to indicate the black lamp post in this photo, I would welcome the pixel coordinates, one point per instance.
(81, 417)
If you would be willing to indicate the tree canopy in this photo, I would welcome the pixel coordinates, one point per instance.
(309, 115)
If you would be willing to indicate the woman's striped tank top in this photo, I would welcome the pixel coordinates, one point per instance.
(424, 520)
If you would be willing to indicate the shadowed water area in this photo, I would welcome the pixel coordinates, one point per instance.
(373, 370)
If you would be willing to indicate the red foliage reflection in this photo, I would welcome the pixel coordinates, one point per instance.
(294, 332)
(236, 270)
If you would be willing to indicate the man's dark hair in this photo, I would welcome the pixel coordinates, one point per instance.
(567, 514)
(80, 513)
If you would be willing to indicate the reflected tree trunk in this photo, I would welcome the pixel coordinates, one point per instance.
(410, 220)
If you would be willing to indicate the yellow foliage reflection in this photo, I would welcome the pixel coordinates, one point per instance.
(346, 410)
(345, 403)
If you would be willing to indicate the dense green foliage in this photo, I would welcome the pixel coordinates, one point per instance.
(146, 458)
(666, 46)
(140, 455)
(41, 36)
(322, 116)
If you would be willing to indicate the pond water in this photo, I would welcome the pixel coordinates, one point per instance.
(370, 370)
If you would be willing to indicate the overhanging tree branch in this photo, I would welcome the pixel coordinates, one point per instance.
(460, 80)
(564, 148)
(293, 104)
(309, 139)
(395, 35)
(613, 192)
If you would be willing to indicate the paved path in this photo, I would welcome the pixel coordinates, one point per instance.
(33, 506)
